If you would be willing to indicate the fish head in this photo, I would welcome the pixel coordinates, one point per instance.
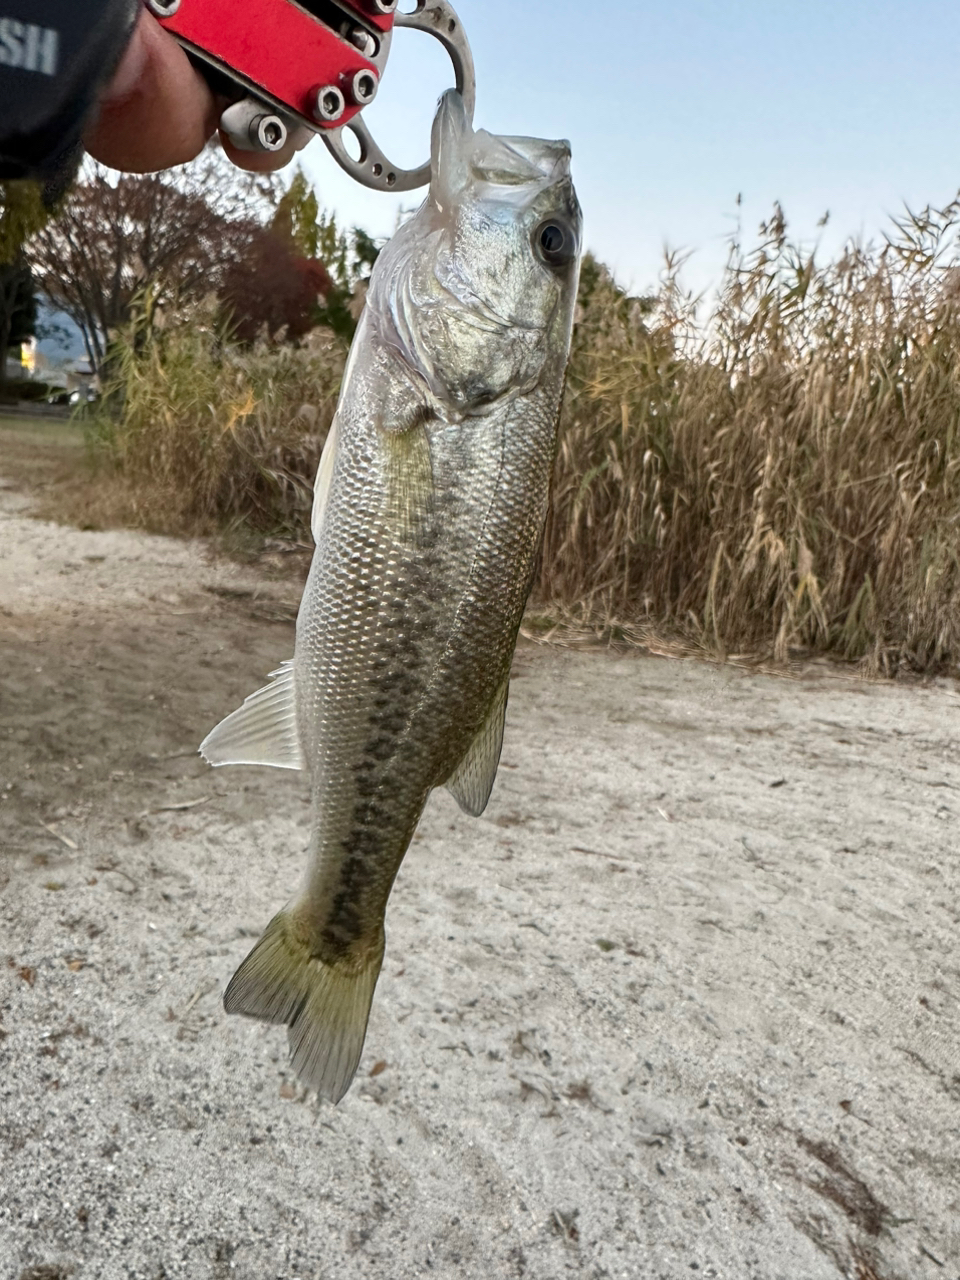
(482, 282)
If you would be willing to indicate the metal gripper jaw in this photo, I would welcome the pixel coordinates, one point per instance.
(372, 168)
(311, 64)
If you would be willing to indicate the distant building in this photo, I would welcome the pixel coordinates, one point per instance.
(58, 345)
(57, 355)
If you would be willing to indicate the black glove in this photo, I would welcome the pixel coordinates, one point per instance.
(55, 56)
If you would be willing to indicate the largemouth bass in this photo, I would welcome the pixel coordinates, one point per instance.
(430, 504)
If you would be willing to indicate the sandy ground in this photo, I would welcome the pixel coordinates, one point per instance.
(684, 1002)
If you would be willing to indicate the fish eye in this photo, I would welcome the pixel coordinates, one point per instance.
(555, 243)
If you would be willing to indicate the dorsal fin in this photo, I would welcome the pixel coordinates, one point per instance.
(471, 782)
(262, 731)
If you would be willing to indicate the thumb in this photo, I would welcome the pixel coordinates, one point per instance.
(157, 111)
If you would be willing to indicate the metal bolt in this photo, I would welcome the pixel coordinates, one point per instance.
(363, 88)
(163, 8)
(363, 40)
(252, 126)
(383, 6)
(327, 103)
(269, 133)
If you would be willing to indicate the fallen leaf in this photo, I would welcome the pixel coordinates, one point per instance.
(176, 808)
(71, 844)
(564, 1224)
(378, 1068)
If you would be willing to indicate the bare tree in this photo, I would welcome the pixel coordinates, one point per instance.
(117, 233)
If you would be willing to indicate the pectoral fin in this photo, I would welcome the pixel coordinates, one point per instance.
(262, 731)
(471, 782)
(409, 477)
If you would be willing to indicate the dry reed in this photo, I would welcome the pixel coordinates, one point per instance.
(782, 478)
(207, 435)
(779, 478)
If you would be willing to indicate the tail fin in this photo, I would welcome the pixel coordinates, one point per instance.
(326, 1006)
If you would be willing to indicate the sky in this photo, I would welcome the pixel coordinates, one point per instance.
(676, 108)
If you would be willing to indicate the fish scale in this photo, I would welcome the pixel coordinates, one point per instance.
(431, 499)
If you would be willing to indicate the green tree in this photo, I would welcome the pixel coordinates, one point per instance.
(22, 214)
(349, 259)
(297, 217)
(347, 256)
(18, 309)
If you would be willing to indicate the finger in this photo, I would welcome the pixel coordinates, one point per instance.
(157, 112)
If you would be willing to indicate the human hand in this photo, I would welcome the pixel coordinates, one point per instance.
(158, 111)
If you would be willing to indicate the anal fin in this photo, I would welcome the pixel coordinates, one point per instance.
(472, 781)
(262, 731)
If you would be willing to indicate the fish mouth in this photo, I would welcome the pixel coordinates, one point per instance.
(461, 153)
(451, 143)
(551, 160)
(451, 124)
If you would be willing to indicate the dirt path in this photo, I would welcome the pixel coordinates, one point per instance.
(685, 1001)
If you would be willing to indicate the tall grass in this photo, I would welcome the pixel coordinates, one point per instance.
(784, 475)
(205, 434)
(779, 474)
